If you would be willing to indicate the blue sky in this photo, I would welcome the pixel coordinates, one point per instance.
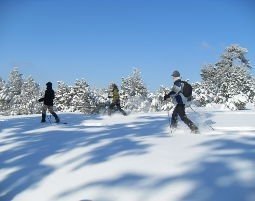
(103, 40)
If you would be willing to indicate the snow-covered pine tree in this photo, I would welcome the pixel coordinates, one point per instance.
(201, 94)
(133, 85)
(3, 96)
(5, 100)
(251, 93)
(234, 55)
(63, 98)
(2, 83)
(29, 96)
(228, 77)
(237, 102)
(157, 100)
(100, 97)
(134, 92)
(82, 98)
(15, 81)
(13, 91)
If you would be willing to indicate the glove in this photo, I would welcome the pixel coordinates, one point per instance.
(41, 100)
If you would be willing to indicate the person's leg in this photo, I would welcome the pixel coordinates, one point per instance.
(174, 117)
(110, 108)
(50, 108)
(185, 119)
(120, 109)
(44, 109)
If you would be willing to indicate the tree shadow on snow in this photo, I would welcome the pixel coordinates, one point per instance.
(222, 173)
(220, 176)
(123, 140)
(31, 143)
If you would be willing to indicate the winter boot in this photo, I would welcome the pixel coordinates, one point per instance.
(55, 116)
(190, 124)
(43, 117)
(123, 112)
(194, 129)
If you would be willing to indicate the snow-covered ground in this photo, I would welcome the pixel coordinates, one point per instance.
(132, 158)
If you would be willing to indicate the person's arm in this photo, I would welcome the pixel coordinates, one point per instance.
(175, 90)
(41, 100)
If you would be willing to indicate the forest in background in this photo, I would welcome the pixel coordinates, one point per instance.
(229, 81)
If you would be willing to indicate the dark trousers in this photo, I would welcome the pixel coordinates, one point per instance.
(180, 110)
(117, 104)
(50, 108)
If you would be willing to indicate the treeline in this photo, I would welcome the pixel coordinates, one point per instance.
(229, 81)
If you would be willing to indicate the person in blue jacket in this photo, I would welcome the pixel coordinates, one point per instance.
(179, 100)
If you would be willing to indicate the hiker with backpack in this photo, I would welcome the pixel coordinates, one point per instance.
(114, 94)
(47, 100)
(180, 93)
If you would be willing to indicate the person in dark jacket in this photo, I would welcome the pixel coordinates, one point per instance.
(48, 102)
(114, 94)
(180, 100)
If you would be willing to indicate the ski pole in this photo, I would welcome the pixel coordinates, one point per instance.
(201, 118)
(169, 121)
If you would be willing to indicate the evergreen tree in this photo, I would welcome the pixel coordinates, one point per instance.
(25, 101)
(15, 82)
(100, 97)
(201, 94)
(82, 98)
(63, 97)
(2, 83)
(228, 77)
(3, 96)
(133, 85)
(30, 94)
(134, 93)
(234, 55)
(12, 91)
(157, 100)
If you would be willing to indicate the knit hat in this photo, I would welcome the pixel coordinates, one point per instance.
(49, 84)
(176, 74)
